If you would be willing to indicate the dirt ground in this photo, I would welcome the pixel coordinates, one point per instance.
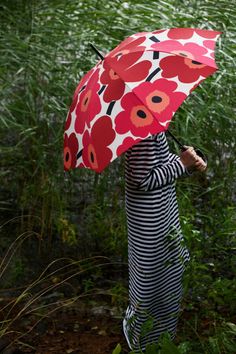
(80, 328)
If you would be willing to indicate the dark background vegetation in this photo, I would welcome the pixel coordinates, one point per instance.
(63, 236)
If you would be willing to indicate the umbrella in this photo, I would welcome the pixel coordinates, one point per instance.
(134, 92)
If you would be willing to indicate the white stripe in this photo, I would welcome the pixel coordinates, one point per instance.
(155, 265)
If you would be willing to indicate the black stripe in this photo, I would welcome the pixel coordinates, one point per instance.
(155, 55)
(155, 239)
(154, 39)
(156, 71)
(82, 88)
(110, 107)
(79, 154)
(101, 89)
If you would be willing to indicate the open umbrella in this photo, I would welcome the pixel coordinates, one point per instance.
(134, 92)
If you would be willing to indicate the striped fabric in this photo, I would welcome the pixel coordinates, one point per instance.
(156, 252)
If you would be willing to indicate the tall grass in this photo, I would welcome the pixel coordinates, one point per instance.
(44, 52)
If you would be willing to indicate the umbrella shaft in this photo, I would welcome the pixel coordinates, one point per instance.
(172, 136)
(176, 140)
(96, 51)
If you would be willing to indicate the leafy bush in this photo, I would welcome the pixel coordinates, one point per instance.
(44, 53)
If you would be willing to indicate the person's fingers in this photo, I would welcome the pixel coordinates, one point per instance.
(200, 165)
(193, 155)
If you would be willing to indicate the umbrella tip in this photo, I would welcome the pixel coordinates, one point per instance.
(96, 51)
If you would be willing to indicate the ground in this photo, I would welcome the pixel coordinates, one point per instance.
(78, 328)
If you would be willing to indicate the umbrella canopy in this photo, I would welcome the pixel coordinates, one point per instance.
(134, 93)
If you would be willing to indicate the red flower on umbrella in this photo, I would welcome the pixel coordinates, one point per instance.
(186, 69)
(89, 104)
(159, 104)
(160, 98)
(186, 33)
(73, 105)
(135, 118)
(207, 33)
(68, 120)
(187, 50)
(96, 154)
(131, 72)
(75, 97)
(126, 46)
(126, 144)
(83, 82)
(209, 44)
(159, 31)
(71, 147)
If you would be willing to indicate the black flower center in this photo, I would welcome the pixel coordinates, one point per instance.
(82, 88)
(141, 114)
(91, 157)
(196, 62)
(85, 101)
(67, 156)
(156, 99)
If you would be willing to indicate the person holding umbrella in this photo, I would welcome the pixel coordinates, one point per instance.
(125, 104)
(157, 255)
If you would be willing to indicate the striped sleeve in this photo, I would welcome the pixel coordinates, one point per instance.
(145, 169)
(173, 157)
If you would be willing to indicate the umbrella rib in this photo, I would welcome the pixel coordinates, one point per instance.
(79, 154)
(110, 107)
(156, 55)
(101, 90)
(154, 39)
(149, 78)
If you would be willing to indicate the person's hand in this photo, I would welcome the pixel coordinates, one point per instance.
(200, 165)
(191, 160)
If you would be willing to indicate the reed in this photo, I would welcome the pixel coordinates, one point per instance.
(44, 53)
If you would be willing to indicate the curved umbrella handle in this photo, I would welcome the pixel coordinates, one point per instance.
(183, 148)
(198, 152)
(201, 154)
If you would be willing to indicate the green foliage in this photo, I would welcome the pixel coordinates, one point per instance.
(117, 349)
(118, 295)
(44, 53)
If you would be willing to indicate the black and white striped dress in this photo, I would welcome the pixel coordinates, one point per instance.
(156, 251)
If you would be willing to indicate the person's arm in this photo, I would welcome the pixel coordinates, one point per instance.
(147, 173)
(143, 175)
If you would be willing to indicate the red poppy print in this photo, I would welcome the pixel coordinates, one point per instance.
(135, 118)
(75, 97)
(187, 50)
(126, 144)
(71, 147)
(127, 46)
(207, 33)
(160, 98)
(186, 33)
(119, 70)
(83, 82)
(89, 104)
(96, 154)
(68, 120)
(186, 69)
(209, 44)
(180, 33)
(149, 108)
(158, 31)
